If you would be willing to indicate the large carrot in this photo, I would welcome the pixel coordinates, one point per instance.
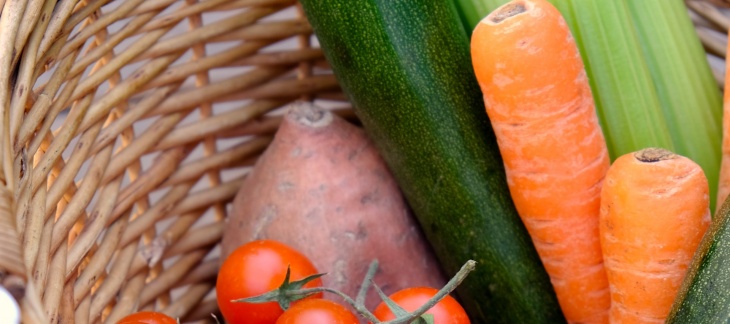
(724, 182)
(539, 102)
(654, 211)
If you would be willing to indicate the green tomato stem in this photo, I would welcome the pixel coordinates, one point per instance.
(364, 312)
(447, 289)
(359, 307)
(366, 283)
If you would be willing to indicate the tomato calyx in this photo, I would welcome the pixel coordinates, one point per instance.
(287, 293)
(400, 312)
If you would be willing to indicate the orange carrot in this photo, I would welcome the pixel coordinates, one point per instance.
(540, 105)
(724, 182)
(654, 211)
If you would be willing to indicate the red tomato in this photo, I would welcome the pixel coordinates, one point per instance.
(447, 311)
(147, 318)
(253, 269)
(320, 311)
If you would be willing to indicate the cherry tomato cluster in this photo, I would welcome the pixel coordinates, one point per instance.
(261, 266)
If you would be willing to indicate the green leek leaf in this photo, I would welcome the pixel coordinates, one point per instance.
(626, 99)
(688, 92)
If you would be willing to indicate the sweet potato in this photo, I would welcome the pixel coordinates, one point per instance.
(322, 187)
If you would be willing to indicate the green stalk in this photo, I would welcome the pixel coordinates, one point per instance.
(689, 95)
(623, 90)
(472, 11)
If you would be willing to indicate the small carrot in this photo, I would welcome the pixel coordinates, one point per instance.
(724, 182)
(541, 108)
(654, 211)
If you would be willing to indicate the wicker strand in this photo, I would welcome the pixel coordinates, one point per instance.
(202, 312)
(191, 10)
(201, 79)
(170, 236)
(129, 86)
(267, 31)
(304, 40)
(90, 9)
(55, 284)
(61, 13)
(269, 124)
(32, 307)
(81, 315)
(34, 228)
(171, 275)
(122, 59)
(150, 5)
(710, 13)
(222, 193)
(139, 77)
(153, 252)
(221, 160)
(238, 4)
(117, 279)
(42, 264)
(97, 264)
(44, 107)
(116, 127)
(141, 144)
(56, 148)
(11, 260)
(23, 205)
(163, 167)
(183, 71)
(189, 299)
(9, 24)
(113, 41)
(158, 211)
(197, 36)
(67, 312)
(106, 293)
(45, 128)
(11, 257)
(103, 207)
(206, 111)
(288, 88)
(85, 192)
(104, 298)
(281, 57)
(211, 126)
(27, 70)
(77, 40)
(201, 237)
(32, 13)
(712, 42)
(205, 271)
(192, 98)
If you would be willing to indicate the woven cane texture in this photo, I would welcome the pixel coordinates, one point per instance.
(127, 127)
(711, 19)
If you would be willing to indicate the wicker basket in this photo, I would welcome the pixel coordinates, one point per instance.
(712, 22)
(126, 130)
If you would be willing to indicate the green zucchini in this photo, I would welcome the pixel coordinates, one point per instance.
(704, 296)
(405, 65)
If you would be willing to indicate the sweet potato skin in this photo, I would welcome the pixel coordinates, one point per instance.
(323, 188)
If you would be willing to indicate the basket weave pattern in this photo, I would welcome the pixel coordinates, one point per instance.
(711, 19)
(127, 127)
